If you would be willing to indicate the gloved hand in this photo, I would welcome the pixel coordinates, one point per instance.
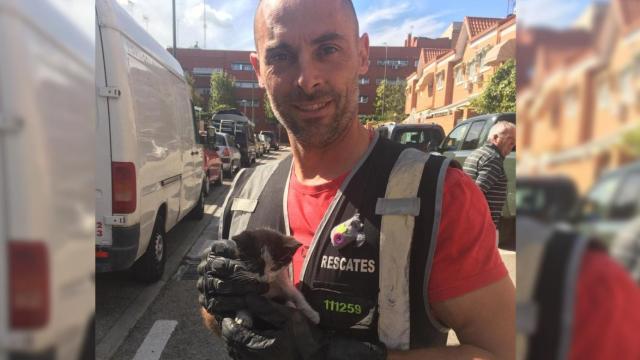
(339, 348)
(285, 333)
(224, 281)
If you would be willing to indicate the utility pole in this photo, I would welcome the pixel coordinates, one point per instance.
(384, 82)
(173, 3)
(252, 104)
(204, 22)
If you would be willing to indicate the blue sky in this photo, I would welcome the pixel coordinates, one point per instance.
(229, 22)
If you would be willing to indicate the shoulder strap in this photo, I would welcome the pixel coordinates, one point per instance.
(399, 209)
(240, 208)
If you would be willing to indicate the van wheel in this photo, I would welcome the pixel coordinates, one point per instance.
(150, 267)
(198, 212)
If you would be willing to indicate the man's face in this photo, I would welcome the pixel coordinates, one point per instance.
(506, 141)
(309, 60)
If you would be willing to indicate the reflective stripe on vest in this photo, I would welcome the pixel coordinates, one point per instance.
(399, 209)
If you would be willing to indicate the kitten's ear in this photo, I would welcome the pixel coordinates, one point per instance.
(291, 244)
(244, 241)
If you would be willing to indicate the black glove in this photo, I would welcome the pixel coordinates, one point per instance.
(224, 281)
(339, 348)
(279, 333)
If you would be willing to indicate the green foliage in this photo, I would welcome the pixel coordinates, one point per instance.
(394, 101)
(500, 95)
(221, 92)
(631, 142)
(268, 112)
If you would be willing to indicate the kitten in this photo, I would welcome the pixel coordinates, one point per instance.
(269, 253)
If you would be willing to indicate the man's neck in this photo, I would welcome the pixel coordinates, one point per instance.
(315, 166)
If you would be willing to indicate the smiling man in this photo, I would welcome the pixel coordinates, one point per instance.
(398, 245)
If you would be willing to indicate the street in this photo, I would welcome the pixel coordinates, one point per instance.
(161, 321)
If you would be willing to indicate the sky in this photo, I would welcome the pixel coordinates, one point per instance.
(230, 22)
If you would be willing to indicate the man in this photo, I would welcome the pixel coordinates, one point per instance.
(485, 166)
(309, 58)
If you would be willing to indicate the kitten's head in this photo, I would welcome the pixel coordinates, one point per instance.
(269, 250)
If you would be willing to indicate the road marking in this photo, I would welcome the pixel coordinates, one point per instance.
(156, 340)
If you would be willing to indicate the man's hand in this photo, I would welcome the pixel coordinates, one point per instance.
(285, 333)
(224, 281)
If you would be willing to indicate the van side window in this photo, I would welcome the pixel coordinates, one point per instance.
(473, 136)
(453, 140)
(199, 139)
(625, 204)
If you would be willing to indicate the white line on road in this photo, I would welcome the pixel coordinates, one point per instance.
(156, 340)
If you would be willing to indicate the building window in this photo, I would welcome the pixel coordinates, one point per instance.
(255, 103)
(362, 99)
(241, 67)
(571, 103)
(205, 71)
(245, 84)
(459, 74)
(396, 81)
(440, 80)
(415, 64)
(394, 63)
(363, 81)
(472, 68)
(625, 80)
(430, 88)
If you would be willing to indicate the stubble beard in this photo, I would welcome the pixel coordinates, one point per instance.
(311, 134)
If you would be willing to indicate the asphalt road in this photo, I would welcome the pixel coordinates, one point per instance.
(161, 321)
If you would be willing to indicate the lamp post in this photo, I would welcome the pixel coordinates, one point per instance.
(244, 103)
(384, 81)
(173, 7)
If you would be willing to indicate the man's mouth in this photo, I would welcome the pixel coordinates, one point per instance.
(312, 106)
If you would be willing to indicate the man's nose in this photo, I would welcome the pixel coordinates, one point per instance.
(310, 76)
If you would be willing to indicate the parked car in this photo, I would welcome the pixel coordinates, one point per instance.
(148, 157)
(610, 203)
(229, 154)
(211, 160)
(273, 142)
(385, 129)
(233, 122)
(265, 143)
(47, 176)
(260, 149)
(549, 199)
(424, 137)
(471, 134)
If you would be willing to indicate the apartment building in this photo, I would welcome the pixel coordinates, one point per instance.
(446, 81)
(584, 96)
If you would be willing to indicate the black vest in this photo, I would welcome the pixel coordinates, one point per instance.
(342, 284)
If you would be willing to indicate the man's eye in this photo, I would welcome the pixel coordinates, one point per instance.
(281, 57)
(328, 49)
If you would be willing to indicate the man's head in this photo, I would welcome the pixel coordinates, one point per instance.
(503, 135)
(309, 57)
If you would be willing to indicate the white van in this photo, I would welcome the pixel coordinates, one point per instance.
(47, 175)
(149, 164)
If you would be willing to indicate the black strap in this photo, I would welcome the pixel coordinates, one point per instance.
(549, 295)
(423, 334)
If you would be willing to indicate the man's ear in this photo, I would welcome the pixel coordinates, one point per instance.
(255, 61)
(363, 53)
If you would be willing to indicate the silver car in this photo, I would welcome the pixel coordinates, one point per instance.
(229, 154)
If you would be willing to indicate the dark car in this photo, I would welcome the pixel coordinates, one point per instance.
(425, 137)
(471, 134)
(549, 199)
(233, 122)
(273, 142)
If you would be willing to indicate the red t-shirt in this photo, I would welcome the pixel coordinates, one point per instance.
(466, 257)
(607, 311)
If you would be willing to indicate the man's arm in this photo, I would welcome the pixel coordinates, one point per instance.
(488, 174)
(484, 321)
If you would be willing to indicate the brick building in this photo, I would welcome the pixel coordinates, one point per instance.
(447, 79)
(583, 97)
(396, 62)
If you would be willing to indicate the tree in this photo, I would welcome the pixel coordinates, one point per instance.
(268, 112)
(196, 99)
(391, 99)
(221, 92)
(500, 95)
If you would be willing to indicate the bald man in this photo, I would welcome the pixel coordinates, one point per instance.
(341, 194)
